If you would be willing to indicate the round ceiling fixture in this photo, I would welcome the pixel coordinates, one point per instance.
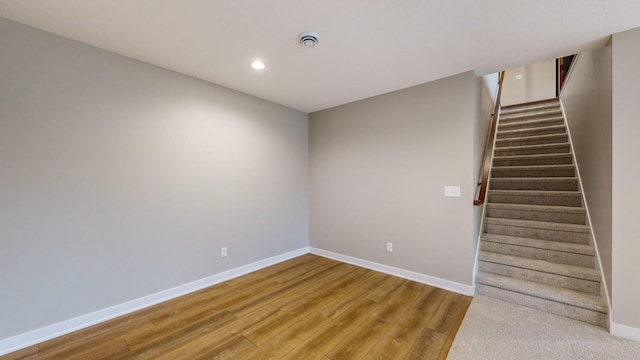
(308, 39)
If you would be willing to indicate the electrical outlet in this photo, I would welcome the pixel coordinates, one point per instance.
(390, 247)
(223, 252)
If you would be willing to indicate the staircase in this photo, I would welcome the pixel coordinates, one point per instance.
(536, 249)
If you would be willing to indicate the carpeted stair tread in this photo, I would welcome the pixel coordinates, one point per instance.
(533, 156)
(531, 105)
(596, 318)
(526, 115)
(541, 271)
(578, 272)
(537, 212)
(527, 110)
(533, 123)
(546, 170)
(533, 137)
(532, 140)
(536, 149)
(538, 179)
(540, 244)
(535, 197)
(543, 291)
(552, 166)
(551, 103)
(553, 251)
(555, 129)
(548, 208)
(537, 193)
(539, 225)
(534, 159)
(554, 183)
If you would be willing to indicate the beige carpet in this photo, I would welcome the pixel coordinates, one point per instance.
(495, 330)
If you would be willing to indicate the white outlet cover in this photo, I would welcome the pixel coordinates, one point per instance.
(519, 77)
(452, 191)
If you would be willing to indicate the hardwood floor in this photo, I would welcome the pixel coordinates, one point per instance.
(309, 307)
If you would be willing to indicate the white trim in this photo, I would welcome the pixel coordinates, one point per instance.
(625, 331)
(33, 337)
(406, 274)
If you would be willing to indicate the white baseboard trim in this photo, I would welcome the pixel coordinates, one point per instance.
(406, 274)
(625, 331)
(33, 337)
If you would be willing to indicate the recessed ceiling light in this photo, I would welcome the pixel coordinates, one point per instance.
(258, 65)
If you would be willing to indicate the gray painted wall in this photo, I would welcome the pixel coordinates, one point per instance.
(586, 98)
(377, 171)
(120, 179)
(626, 172)
(537, 83)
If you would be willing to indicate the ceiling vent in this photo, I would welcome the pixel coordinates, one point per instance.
(308, 39)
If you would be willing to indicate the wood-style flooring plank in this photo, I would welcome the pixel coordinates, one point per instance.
(397, 342)
(180, 330)
(428, 345)
(82, 341)
(288, 339)
(296, 287)
(361, 340)
(316, 300)
(344, 301)
(216, 341)
(307, 308)
(110, 349)
(333, 333)
(28, 353)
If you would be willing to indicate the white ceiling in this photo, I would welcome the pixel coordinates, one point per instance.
(367, 47)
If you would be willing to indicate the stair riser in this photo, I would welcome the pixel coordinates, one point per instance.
(533, 123)
(534, 233)
(575, 201)
(585, 315)
(586, 286)
(529, 132)
(556, 160)
(535, 151)
(561, 185)
(559, 257)
(533, 172)
(557, 217)
(531, 141)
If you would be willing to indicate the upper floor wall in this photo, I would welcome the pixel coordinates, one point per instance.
(529, 83)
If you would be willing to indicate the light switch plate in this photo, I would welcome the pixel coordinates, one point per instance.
(453, 191)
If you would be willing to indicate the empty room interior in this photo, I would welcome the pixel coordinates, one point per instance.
(307, 180)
